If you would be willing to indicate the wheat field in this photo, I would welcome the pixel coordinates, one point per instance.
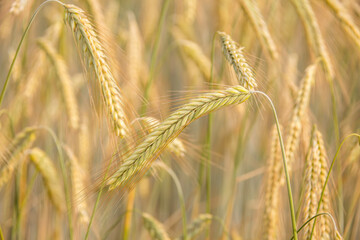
(168, 119)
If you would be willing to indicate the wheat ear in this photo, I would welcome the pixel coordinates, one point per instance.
(252, 11)
(94, 53)
(140, 159)
(18, 6)
(154, 227)
(22, 141)
(48, 172)
(274, 167)
(66, 84)
(233, 54)
(198, 225)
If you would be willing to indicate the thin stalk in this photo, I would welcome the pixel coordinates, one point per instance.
(128, 214)
(19, 46)
(1, 234)
(328, 176)
(154, 55)
(288, 184)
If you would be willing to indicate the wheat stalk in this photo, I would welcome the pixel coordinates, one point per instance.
(48, 172)
(95, 55)
(156, 141)
(233, 54)
(154, 227)
(66, 84)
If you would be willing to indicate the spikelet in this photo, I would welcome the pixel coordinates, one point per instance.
(325, 223)
(22, 142)
(233, 54)
(48, 172)
(198, 225)
(313, 33)
(252, 11)
(195, 53)
(18, 6)
(94, 53)
(139, 160)
(345, 19)
(302, 103)
(274, 166)
(154, 227)
(176, 147)
(66, 84)
(77, 184)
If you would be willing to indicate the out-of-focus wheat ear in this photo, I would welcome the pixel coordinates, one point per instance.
(34, 76)
(21, 142)
(271, 212)
(154, 227)
(345, 19)
(93, 52)
(233, 54)
(84, 146)
(134, 50)
(197, 226)
(78, 186)
(195, 53)
(325, 222)
(96, 12)
(49, 175)
(302, 102)
(290, 75)
(314, 36)
(138, 162)
(67, 88)
(189, 11)
(252, 11)
(312, 185)
(18, 6)
(176, 146)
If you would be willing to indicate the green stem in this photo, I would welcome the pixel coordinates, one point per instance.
(154, 55)
(314, 218)
(288, 185)
(328, 176)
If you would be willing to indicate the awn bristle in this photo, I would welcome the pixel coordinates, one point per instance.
(301, 105)
(95, 55)
(274, 166)
(233, 54)
(65, 80)
(22, 142)
(252, 11)
(140, 159)
(197, 226)
(314, 36)
(345, 19)
(47, 170)
(176, 147)
(154, 227)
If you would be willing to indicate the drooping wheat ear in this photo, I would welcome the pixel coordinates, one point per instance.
(94, 53)
(325, 223)
(195, 53)
(154, 227)
(233, 54)
(140, 159)
(345, 19)
(302, 102)
(77, 182)
(274, 166)
(21, 142)
(252, 11)
(197, 226)
(67, 88)
(48, 172)
(312, 184)
(134, 50)
(314, 35)
(18, 6)
(176, 147)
